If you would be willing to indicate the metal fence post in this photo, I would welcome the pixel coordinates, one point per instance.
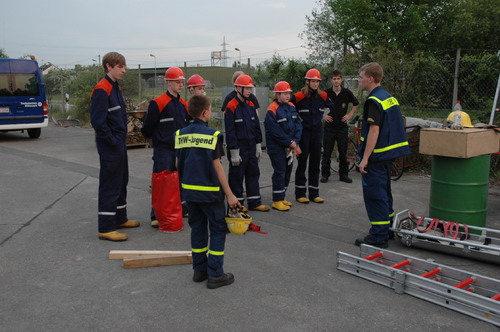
(455, 82)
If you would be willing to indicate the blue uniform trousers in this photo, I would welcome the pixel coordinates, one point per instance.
(113, 180)
(310, 144)
(378, 199)
(247, 172)
(202, 218)
(281, 174)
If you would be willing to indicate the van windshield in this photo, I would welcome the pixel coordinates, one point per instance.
(12, 85)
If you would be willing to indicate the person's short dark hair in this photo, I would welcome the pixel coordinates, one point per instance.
(113, 59)
(336, 73)
(197, 104)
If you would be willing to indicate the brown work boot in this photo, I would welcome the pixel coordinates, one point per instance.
(154, 223)
(287, 202)
(129, 224)
(113, 236)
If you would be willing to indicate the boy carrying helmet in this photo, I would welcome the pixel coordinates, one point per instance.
(283, 131)
(203, 183)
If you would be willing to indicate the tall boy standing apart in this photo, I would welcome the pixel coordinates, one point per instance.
(199, 151)
(109, 120)
(383, 138)
(336, 129)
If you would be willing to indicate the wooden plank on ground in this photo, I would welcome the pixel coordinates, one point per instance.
(131, 263)
(121, 254)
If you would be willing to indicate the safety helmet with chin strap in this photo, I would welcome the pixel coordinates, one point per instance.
(243, 81)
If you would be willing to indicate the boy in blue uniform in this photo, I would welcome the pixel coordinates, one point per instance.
(311, 103)
(244, 139)
(166, 114)
(203, 183)
(109, 120)
(283, 131)
(383, 138)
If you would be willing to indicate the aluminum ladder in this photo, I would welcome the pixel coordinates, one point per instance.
(449, 237)
(471, 294)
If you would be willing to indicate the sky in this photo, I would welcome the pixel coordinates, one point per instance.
(70, 32)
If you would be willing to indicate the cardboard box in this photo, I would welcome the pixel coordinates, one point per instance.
(465, 143)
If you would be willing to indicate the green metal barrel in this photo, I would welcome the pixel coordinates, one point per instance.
(459, 189)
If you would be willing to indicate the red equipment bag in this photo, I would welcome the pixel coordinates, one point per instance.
(166, 201)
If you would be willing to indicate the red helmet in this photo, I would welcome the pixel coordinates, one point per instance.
(282, 86)
(195, 80)
(313, 74)
(244, 81)
(174, 74)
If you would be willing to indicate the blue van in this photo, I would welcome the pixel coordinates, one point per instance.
(23, 105)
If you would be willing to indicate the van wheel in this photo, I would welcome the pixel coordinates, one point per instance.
(35, 132)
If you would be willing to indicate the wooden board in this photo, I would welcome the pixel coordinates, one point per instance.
(131, 263)
(121, 254)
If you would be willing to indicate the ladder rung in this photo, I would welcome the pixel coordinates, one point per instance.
(464, 283)
(401, 264)
(374, 256)
(431, 273)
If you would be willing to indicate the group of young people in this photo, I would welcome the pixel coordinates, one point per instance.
(183, 141)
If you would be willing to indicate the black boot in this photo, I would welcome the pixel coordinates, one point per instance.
(223, 280)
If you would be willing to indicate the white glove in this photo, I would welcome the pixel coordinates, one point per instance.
(289, 156)
(235, 157)
(258, 150)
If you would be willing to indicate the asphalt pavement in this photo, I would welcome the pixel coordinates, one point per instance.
(55, 274)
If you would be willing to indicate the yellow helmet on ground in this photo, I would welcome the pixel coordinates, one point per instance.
(466, 122)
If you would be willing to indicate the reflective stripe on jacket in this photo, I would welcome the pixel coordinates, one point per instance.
(392, 141)
(282, 125)
(241, 123)
(311, 109)
(108, 112)
(195, 145)
(166, 114)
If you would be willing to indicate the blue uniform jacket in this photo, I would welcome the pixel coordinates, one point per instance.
(108, 113)
(282, 125)
(392, 141)
(166, 114)
(311, 109)
(242, 123)
(195, 146)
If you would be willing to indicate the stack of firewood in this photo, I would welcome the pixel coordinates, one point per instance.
(135, 120)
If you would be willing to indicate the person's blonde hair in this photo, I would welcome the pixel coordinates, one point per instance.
(373, 69)
(113, 59)
(236, 74)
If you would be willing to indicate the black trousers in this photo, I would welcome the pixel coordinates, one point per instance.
(330, 137)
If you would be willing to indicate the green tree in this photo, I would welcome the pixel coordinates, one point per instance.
(362, 27)
(3, 55)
